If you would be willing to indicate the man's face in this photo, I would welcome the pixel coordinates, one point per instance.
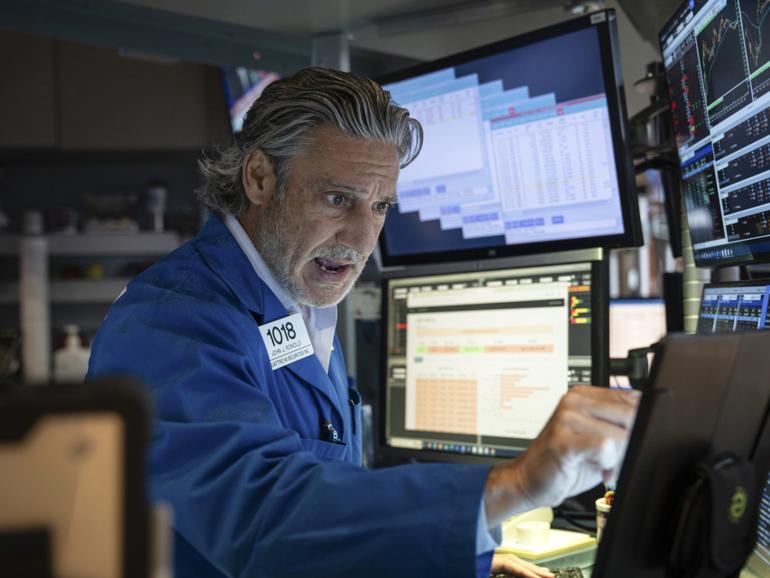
(318, 237)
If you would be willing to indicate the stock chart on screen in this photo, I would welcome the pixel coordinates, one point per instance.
(717, 60)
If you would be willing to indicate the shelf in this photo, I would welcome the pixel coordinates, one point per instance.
(97, 245)
(65, 292)
(36, 156)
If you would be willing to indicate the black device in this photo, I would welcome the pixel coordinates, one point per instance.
(737, 307)
(689, 489)
(525, 151)
(476, 356)
(718, 70)
(673, 296)
(73, 482)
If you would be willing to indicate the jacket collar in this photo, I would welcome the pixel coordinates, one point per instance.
(222, 254)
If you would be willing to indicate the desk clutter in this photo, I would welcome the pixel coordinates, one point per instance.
(530, 537)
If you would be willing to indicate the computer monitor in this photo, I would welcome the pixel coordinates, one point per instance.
(731, 307)
(737, 307)
(634, 323)
(242, 87)
(476, 359)
(718, 73)
(73, 482)
(708, 396)
(525, 150)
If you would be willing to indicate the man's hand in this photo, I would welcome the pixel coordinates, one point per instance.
(515, 566)
(582, 444)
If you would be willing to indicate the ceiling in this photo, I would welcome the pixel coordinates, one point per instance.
(308, 18)
(414, 30)
(280, 35)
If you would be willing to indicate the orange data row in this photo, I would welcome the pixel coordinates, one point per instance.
(507, 329)
(450, 405)
(446, 405)
(519, 348)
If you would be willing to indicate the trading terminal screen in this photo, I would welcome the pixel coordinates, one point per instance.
(476, 362)
(727, 308)
(718, 70)
(513, 156)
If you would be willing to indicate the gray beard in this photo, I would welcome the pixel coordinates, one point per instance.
(273, 240)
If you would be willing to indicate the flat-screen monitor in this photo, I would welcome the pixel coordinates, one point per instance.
(733, 307)
(475, 360)
(73, 485)
(730, 308)
(242, 87)
(634, 323)
(708, 396)
(524, 151)
(718, 72)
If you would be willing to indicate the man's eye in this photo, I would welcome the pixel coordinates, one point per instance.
(382, 207)
(336, 199)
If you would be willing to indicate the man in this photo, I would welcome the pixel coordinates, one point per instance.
(257, 443)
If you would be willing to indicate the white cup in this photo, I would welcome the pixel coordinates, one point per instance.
(532, 533)
(602, 511)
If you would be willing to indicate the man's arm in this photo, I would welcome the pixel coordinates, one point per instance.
(582, 444)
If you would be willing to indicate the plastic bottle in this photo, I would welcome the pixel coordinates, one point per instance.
(70, 363)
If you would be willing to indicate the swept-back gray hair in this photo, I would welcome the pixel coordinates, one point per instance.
(280, 121)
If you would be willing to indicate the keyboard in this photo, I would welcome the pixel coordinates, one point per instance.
(567, 572)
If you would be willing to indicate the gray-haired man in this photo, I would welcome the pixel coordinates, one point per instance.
(258, 439)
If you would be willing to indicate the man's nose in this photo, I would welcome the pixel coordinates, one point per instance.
(359, 231)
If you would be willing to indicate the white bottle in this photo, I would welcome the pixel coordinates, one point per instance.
(70, 363)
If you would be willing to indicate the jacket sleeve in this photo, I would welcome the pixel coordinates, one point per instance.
(247, 495)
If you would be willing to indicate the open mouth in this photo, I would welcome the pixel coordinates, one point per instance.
(331, 267)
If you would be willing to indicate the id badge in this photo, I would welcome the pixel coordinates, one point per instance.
(286, 340)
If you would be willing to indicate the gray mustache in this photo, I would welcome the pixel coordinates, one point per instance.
(341, 253)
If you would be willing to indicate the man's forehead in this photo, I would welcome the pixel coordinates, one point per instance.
(336, 158)
(336, 184)
(326, 138)
(359, 186)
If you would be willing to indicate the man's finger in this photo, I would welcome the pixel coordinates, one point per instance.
(515, 566)
(615, 406)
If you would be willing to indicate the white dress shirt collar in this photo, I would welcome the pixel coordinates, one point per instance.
(320, 321)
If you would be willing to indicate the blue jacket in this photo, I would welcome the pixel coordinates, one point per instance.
(237, 448)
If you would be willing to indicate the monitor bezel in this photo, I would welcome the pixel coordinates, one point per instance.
(605, 24)
(727, 284)
(386, 455)
(742, 283)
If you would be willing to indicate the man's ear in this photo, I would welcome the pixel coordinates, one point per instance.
(258, 178)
